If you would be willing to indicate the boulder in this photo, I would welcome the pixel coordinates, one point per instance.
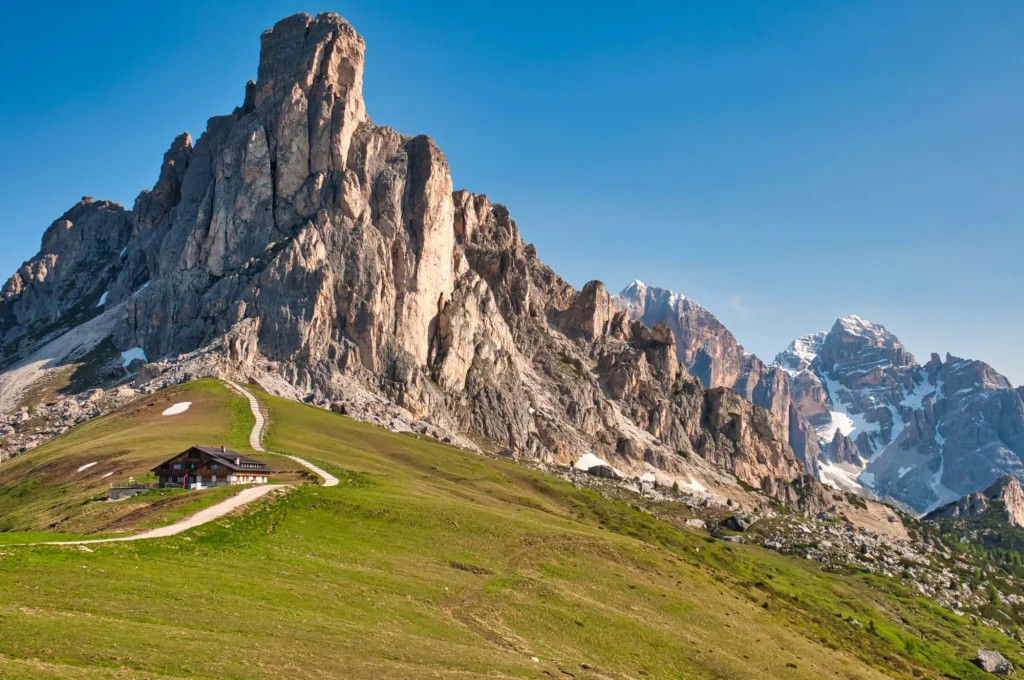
(738, 522)
(993, 662)
(605, 471)
(146, 373)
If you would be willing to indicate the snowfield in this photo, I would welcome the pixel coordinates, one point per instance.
(174, 410)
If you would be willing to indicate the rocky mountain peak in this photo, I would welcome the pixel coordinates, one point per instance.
(634, 291)
(924, 434)
(298, 244)
(711, 353)
(78, 256)
(855, 340)
(801, 353)
(309, 97)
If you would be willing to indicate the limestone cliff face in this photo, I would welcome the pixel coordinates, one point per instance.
(78, 258)
(711, 353)
(311, 244)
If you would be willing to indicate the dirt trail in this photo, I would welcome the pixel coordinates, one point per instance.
(209, 514)
(256, 436)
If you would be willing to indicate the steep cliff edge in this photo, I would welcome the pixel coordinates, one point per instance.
(711, 353)
(297, 242)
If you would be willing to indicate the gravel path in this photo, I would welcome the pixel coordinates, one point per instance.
(256, 436)
(211, 513)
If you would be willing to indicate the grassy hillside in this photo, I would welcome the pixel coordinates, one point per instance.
(45, 491)
(427, 561)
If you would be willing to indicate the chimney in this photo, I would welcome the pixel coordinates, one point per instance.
(222, 449)
(238, 461)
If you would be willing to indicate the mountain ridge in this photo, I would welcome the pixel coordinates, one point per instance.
(298, 244)
(713, 354)
(923, 434)
(860, 394)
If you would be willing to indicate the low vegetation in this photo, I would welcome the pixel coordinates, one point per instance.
(428, 561)
(48, 490)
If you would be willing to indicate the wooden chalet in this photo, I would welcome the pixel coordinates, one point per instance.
(202, 466)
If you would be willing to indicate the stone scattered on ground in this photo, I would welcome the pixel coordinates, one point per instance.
(993, 662)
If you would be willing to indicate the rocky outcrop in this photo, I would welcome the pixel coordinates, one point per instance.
(711, 353)
(923, 435)
(1005, 497)
(304, 245)
(991, 661)
(77, 260)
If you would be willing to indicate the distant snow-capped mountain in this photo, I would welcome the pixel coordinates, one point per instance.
(855, 405)
(923, 435)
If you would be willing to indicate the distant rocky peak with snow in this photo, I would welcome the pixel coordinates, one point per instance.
(856, 342)
(634, 291)
(923, 435)
(801, 353)
(638, 297)
(712, 354)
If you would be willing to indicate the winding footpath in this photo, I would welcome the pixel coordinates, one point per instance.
(256, 436)
(242, 498)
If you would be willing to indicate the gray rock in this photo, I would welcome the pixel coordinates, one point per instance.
(738, 522)
(993, 662)
(147, 372)
(712, 354)
(299, 242)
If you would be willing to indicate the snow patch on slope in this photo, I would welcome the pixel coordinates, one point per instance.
(842, 476)
(850, 424)
(180, 407)
(944, 493)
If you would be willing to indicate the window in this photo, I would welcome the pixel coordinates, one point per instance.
(215, 466)
(177, 466)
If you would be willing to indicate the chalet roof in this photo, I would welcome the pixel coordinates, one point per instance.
(227, 458)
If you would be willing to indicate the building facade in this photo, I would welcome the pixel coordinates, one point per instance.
(202, 466)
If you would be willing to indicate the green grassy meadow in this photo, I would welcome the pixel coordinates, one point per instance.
(44, 491)
(431, 562)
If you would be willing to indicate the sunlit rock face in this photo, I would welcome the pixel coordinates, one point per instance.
(298, 238)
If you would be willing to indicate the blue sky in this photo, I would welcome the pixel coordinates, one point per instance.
(782, 163)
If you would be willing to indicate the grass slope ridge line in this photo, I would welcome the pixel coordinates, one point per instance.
(256, 436)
